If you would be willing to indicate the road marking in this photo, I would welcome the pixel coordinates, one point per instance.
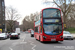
(32, 45)
(23, 42)
(10, 48)
(24, 38)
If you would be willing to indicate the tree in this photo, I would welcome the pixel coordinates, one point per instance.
(71, 16)
(64, 5)
(11, 16)
(25, 24)
(28, 22)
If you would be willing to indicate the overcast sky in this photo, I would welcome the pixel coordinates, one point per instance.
(26, 7)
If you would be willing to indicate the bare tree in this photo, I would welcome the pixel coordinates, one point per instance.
(25, 24)
(71, 17)
(64, 5)
(11, 16)
(28, 22)
(27, 18)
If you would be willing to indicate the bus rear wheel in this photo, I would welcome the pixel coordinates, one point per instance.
(56, 41)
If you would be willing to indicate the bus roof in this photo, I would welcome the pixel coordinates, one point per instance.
(51, 7)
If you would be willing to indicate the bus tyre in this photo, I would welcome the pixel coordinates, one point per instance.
(56, 41)
(31, 35)
(36, 39)
(71, 39)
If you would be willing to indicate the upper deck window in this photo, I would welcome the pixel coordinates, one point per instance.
(52, 12)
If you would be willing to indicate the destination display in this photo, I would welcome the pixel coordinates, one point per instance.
(51, 20)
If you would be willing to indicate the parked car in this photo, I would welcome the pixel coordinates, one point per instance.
(7, 35)
(32, 33)
(14, 35)
(67, 35)
(3, 36)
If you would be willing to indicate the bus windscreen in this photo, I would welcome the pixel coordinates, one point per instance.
(51, 13)
(52, 29)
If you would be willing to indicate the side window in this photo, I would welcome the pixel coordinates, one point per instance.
(41, 28)
(36, 29)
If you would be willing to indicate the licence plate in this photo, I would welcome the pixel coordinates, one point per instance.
(68, 37)
(53, 39)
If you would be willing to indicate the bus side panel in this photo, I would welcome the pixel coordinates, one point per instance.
(36, 35)
(41, 37)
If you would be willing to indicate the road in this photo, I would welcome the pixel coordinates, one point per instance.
(29, 43)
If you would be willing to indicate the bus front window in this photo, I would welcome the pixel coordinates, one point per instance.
(52, 29)
(51, 13)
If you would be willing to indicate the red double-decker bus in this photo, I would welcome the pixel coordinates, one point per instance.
(29, 30)
(48, 25)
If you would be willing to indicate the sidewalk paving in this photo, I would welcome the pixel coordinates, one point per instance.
(73, 35)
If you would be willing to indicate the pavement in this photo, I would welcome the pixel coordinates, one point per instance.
(73, 35)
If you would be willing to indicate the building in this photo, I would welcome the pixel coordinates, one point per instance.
(16, 25)
(2, 15)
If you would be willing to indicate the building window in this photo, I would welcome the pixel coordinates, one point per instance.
(0, 10)
(3, 24)
(2, 3)
(41, 28)
(3, 14)
(3, 8)
(0, 24)
(3, 19)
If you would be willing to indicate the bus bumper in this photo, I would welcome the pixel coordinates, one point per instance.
(53, 39)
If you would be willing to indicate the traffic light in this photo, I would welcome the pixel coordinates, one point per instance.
(64, 25)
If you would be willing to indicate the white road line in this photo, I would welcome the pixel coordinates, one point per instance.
(32, 45)
(23, 42)
(10, 48)
(24, 38)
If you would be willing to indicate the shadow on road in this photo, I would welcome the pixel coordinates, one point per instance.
(52, 42)
(4, 39)
(14, 39)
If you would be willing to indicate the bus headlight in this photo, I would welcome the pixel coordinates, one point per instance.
(61, 37)
(44, 37)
